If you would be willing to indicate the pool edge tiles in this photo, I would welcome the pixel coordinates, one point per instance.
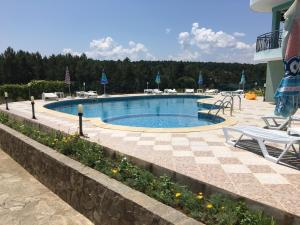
(228, 121)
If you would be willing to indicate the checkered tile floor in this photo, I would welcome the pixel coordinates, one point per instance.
(202, 155)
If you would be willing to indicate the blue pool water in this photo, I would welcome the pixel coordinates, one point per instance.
(149, 111)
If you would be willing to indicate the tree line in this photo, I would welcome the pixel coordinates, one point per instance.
(124, 76)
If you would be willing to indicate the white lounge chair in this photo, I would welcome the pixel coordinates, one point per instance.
(189, 91)
(262, 135)
(80, 94)
(278, 122)
(170, 91)
(49, 96)
(212, 91)
(239, 91)
(148, 91)
(157, 91)
(200, 91)
(91, 94)
(60, 94)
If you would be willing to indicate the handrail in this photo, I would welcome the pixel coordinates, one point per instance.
(271, 40)
(224, 104)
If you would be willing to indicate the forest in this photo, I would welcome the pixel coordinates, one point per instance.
(125, 76)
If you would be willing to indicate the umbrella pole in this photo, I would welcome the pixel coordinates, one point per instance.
(70, 90)
(104, 89)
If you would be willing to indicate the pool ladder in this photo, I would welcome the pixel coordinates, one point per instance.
(226, 102)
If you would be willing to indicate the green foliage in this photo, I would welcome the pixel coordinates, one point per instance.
(212, 210)
(124, 76)
(34, 88)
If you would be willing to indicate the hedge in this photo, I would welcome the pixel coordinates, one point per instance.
(17, 92)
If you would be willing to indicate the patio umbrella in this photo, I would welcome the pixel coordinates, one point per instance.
(68, 80)
(157, 80)
(243, 79)
(104, 80)
(200, 79)
(286, 96)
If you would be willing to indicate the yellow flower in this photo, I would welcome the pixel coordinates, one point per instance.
(199, 197)
(222, 207)
(178, 194)
(209, 206)
(115, 170)
(200, 193)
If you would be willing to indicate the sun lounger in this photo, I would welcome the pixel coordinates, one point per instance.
(170, 91)
(80, 94)
(262, 135)
(157, 91)
(91, 94)
(189, 91)
(212, 91)
(49, 96)
(148, 91)
(278, 122)
(60, 94)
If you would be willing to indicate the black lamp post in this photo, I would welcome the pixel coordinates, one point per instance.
(6, 100)
(32, 105)
(80, 114)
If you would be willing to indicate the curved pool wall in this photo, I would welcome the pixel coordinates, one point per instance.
(154, 111)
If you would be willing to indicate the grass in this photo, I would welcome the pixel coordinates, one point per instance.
(215, 209)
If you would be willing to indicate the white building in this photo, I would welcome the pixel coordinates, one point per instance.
(268, 45)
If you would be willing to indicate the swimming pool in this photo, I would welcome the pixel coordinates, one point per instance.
(143, 111)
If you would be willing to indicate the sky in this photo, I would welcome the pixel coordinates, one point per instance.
(189, 30)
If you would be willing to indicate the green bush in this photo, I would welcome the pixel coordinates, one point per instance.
(35, 88)
(212, 210)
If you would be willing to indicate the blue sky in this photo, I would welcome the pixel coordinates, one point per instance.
(196, 30)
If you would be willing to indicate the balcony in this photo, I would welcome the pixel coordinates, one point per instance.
(268, 41)
(265, 5)
(268, 46)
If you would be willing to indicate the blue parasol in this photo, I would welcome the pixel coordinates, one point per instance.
(286, 96)
(243, 79)
(157, 79)
(104, 80)
(200, 79)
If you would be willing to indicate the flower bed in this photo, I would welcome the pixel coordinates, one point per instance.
(214, 209)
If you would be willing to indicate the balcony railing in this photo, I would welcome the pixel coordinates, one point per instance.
(268, 41)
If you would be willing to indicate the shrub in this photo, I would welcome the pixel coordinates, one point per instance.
(34, 88)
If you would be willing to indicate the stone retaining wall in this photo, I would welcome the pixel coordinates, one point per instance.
(283, 217)
(103, 200)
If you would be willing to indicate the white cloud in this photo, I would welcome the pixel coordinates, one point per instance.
(107, 49)
(70, 51)
(184, 40)
(239, 34)
(168, 30)
(209, 45)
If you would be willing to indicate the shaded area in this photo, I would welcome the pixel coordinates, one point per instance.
(290, 159)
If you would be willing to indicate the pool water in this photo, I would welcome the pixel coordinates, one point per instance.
(152, 111)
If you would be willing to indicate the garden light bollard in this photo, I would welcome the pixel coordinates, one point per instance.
(6, 100)
(32, 105)
(80, 114)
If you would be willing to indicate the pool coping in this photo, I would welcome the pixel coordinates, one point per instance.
(228, 121)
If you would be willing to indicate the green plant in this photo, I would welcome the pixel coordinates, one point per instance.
(215, 209)
(34, 88)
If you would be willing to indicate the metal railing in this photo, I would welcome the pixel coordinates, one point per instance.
(224, 103)
(270, 40)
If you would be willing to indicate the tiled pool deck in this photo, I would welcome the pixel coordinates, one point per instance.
(202, 155)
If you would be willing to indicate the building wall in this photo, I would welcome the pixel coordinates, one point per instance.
(275, 72)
